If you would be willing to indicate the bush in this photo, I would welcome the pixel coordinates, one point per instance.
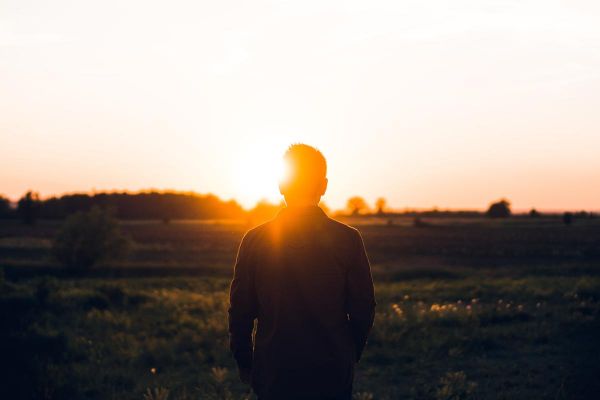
(28, 207)
(499, 209)
(5, 211)
(44, 290)
(89, 238)
(455, 386)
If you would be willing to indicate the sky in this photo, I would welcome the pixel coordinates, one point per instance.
(451, 104)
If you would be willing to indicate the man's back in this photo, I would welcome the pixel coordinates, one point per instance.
(307, 280)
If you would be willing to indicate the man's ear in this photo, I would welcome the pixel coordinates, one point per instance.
(324, 186)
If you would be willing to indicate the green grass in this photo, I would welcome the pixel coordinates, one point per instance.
(455, 319)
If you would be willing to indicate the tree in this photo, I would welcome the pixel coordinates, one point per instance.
(145, 205)
(88, 238)
(28, 207)
(499, 209)
(568, 218)
(356, 204)
(5, 210)
(534, 213)
(380, 204)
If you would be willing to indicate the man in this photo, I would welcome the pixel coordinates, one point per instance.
(306, 279)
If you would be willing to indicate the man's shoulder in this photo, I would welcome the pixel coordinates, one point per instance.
(341, 227)
(269, 230)
(255, 233)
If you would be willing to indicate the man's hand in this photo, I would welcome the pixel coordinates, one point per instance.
(245, 375)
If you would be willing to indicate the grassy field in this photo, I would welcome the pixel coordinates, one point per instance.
(466, 309)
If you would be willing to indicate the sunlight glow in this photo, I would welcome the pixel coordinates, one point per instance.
(438, 103)
(258, 172)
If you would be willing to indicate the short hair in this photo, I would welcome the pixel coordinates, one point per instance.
(306, 168)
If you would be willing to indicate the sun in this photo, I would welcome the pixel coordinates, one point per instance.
(259, 169)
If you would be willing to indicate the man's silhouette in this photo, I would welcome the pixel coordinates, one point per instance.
(306, 279)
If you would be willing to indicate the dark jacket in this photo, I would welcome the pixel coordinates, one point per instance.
(306, 279)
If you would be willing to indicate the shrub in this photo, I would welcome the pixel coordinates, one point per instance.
(363, 396)
(499, 209)
(419, 223)
(88, 238)
(568, 218)
(156, 394)
(28, 207)
(455, 386)
(44, 290)
(5, 210)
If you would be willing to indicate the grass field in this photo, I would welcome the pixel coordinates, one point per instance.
(466, 309)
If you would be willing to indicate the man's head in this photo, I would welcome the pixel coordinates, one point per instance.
(305, 180)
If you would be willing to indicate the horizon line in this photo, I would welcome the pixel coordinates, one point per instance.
(391, 209)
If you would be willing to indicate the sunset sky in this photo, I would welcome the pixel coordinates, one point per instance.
(426, 103)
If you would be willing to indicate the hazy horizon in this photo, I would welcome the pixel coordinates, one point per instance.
(428, 104)
(371, 207)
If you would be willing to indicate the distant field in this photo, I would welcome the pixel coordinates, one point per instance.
(196, 246)
(466, 309)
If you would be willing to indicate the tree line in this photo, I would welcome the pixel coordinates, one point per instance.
(166, 206)
(136, 206)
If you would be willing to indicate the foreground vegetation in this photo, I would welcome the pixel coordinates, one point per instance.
(486, 311)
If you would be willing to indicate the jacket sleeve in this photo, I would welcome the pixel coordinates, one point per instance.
(242, 307)
(361, 296)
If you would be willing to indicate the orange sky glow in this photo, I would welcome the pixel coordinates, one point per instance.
(426, 103)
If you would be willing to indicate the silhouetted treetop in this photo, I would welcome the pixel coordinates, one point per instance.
(145, 205)
(356, 204)
(499, 209)
(29, 207)
(5, 210)
(380, 205)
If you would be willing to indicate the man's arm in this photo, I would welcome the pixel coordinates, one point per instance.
(242, 308)
(361, 296)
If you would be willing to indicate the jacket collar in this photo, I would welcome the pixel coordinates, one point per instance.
(310, 211)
